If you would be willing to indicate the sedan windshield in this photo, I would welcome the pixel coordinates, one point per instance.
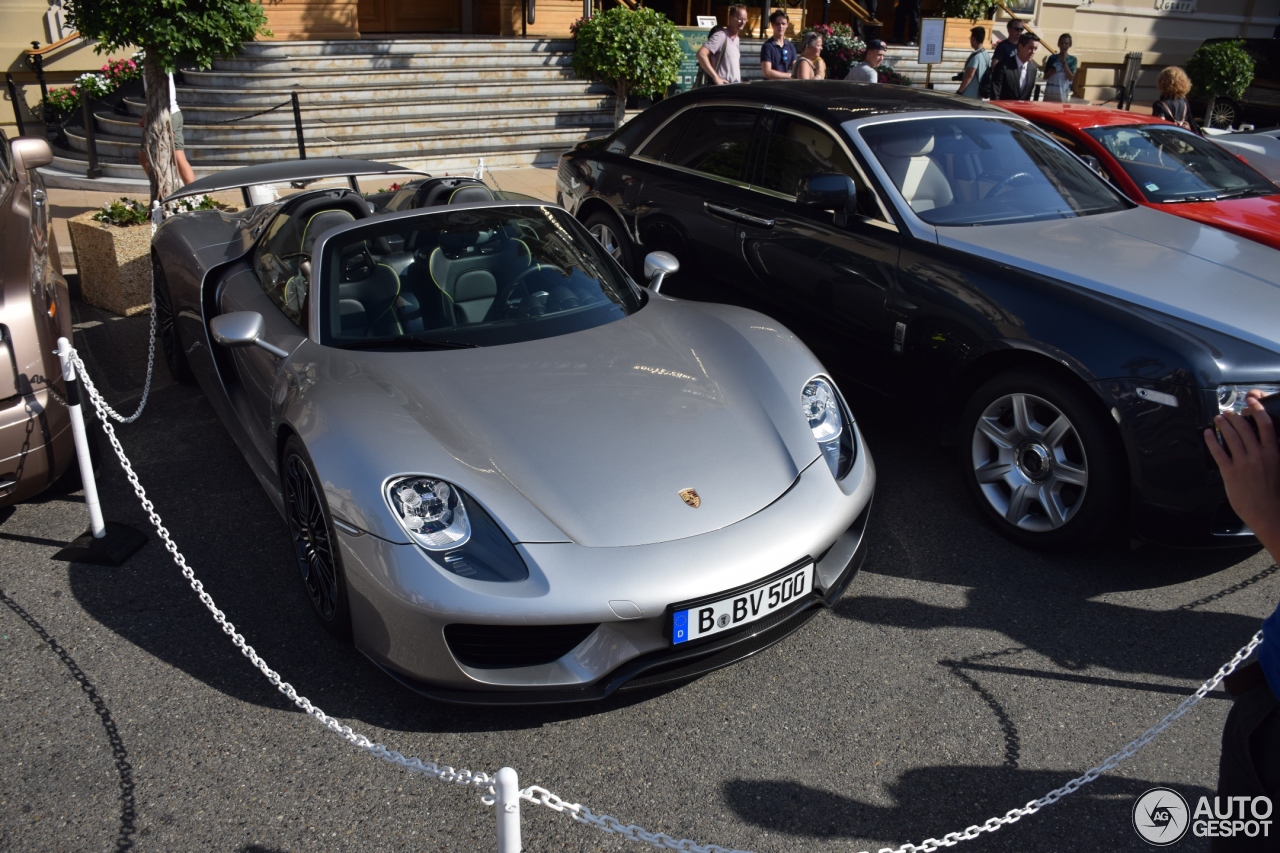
(985, 171)
(466, 278)
(1170, 164)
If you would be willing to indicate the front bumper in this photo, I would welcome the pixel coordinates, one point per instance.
(400, 606)
(36, 446)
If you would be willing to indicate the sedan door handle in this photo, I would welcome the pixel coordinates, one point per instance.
(738, 215)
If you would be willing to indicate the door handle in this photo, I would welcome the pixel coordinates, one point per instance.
(738, 215)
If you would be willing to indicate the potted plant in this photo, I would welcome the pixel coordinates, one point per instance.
(1223, 70)
(632, 52)
(112, 248)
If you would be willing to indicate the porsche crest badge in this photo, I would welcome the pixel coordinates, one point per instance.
(690, 496)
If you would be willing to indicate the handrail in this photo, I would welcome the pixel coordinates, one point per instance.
(1027, 26)
(41, 51)
(860, 13)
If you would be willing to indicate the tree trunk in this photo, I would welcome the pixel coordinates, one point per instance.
(620, 105)
(157, 133)
(1208, 112)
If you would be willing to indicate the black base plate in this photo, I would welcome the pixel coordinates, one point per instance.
(120, 543)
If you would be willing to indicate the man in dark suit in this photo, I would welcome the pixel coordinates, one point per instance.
(1015, 79)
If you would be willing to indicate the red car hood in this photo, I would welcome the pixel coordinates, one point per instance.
(1254, 218)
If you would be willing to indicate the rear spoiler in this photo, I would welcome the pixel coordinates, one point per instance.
(289, 171)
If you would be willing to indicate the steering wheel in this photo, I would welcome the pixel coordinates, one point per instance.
(511, 302)
(1004, 183)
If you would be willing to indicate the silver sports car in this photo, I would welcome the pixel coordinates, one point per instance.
(510, 473)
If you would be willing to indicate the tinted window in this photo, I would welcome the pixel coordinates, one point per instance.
(716, 142)
(665, 139)
(478, 277)
(1170, 164)
(798, 148)
(985, 171)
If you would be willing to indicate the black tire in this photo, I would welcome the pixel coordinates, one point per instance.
(606, 228)
(1043, 482)
(175, 358)
(1225, 114)
(314, 544)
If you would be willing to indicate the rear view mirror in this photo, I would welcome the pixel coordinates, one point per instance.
(659, 265)
(828, 191)
(242, 329)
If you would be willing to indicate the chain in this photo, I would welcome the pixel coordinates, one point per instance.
(413, 765)
(543, 797)
(146, 388)
(613, 826)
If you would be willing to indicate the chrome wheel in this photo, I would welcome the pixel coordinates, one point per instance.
(312, 545)
(1223, 115)
(604, 234)
(1029, 462)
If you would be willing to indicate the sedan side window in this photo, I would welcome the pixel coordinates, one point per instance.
(716, 142)
(799, 148)
(277, 265)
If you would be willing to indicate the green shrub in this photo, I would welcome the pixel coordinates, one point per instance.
(971, 9)
(631, 52)
(1220, 70)
(124, 212)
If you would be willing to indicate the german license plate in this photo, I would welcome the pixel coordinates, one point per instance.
(736, 610)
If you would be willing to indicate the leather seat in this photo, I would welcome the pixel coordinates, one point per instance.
(906, 159)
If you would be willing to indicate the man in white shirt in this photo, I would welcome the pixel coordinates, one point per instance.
(865, 71)
(719, 57)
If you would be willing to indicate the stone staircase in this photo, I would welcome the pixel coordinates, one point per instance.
(438, 103)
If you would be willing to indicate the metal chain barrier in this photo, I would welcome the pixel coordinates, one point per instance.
(539, 795)
(413, 765)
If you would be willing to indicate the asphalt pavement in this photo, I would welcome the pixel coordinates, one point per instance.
(958, 678)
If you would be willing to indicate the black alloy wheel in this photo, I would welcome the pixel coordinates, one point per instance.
(314, 545)
(609, 232)
(174, 356)
(1042, 461)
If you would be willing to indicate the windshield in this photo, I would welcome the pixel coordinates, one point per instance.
(468, 278)
(1170, 164)
(985, 171)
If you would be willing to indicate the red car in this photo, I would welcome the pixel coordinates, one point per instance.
(1161, 165)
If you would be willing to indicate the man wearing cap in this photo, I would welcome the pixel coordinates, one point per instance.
(1007, 48)
(1015, 79)
(865, 71)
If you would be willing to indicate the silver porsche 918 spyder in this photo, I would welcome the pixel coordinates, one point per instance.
(510, 473)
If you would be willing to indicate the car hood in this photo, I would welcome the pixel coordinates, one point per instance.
(598, 431)
(1177, 266)
(1254, 218)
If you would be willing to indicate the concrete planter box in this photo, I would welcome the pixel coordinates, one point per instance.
(114, 264)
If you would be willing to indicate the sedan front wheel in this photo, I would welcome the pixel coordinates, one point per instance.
(1041, 462)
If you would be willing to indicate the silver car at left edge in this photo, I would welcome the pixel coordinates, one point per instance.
(510, 474)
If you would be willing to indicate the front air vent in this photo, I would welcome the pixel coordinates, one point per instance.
(505, 646)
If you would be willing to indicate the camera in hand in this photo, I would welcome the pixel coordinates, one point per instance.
(1270, 405)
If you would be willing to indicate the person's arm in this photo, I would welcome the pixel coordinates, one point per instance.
(1250, 464)
(770, 74)
(704, 62)
(970, 71)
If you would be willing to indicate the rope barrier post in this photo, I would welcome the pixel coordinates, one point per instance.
(297, 125)
(507, 805)
(105, 543)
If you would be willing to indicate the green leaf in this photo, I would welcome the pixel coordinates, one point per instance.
(1221, 70)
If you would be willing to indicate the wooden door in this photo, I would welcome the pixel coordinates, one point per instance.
(410, 16)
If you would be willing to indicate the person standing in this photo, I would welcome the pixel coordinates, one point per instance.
(720, 58)
(810, 65)
(865, 71)
(1007, 48)
(976, 65)
(1249, 766)
(1015, 80)
(1060, 72)
(1172, 104)
(777, 55)
(906, 22)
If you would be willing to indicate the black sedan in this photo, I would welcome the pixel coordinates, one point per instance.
(1071, 344)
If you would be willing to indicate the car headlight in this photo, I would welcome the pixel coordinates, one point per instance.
(831, 425)
(430, 511)
(1231, 397)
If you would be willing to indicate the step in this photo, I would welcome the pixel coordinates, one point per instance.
(371, 78)
(458, 63)
(485, 45)
(492, 92)
(111, 126)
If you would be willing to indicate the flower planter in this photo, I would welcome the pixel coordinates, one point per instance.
(114, 264)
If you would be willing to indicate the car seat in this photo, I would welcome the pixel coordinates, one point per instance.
(906, 159)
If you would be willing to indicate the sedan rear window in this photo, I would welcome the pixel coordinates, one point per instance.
(477, 277)
(985, 171)
(1170, 164)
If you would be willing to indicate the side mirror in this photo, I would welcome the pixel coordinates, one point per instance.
(659, 265)
(29, 153)
(1093, 163)
(242, 329)
(828, 191)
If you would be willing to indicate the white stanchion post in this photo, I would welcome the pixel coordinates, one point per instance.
(96, 525)
(507, 805)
